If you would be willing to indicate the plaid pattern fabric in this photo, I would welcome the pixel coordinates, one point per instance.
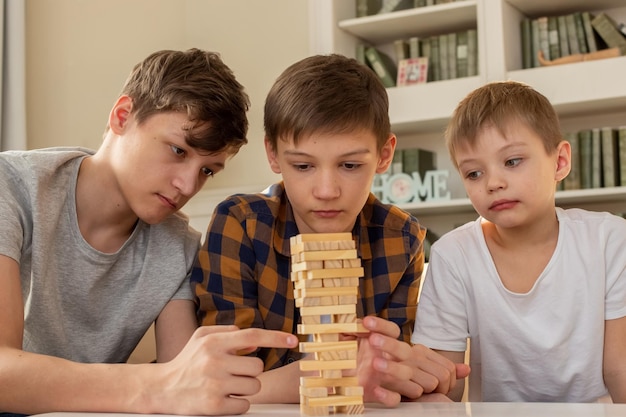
(242, 272)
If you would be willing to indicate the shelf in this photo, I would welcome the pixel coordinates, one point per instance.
(421, 21)
(581, 87)
(535, 8)
(427, 107)
(569, 198)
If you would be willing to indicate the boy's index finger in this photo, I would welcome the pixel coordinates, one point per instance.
(253, 337)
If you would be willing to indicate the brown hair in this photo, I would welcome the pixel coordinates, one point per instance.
(497, 104)
(198, 84)
(326, 94)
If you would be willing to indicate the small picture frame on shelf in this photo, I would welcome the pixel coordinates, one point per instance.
(412, 71)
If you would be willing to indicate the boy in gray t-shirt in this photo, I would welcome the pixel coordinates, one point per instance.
(94, 250)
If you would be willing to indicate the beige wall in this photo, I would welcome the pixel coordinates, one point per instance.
(79, 53)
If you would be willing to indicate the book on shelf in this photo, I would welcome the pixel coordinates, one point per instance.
(414, 47)
(590, 35)
(383, 66)
(389, 6)
(580, 33)
(563, 39)
(368, 7)
(472, 52)
(400, 49)
(584, 146)
(360, 53)
(527, 45)
(433, 62)
(461, 54)
(452, 43)
(412, 71)
(607, 30)
(610, 157)
(419, 3)
(396, 162)
(572, 181)
(444, 70)
(553, 38)
(596, 158)
(572, 37)
(621, 145)
(536, 42)
(418, 160)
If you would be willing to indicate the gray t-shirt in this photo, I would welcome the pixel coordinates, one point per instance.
(79, 303)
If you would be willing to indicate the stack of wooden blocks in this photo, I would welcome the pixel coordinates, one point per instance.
(326, 270)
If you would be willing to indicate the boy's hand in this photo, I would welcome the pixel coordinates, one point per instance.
(209, 374)
(390, 369)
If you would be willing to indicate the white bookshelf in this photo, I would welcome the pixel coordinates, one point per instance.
(586, 94)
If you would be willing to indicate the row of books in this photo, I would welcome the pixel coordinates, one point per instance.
(598, 158)
(571, 34)
(372, 7)
(434, 58)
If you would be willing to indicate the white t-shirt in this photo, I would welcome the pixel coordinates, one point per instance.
(79, 303)
(544, 345)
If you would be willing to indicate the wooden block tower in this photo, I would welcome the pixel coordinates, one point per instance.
(326, 270)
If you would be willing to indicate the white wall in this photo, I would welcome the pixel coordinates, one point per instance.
(79, 53)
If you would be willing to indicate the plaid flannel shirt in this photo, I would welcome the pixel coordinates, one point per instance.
(242, 272)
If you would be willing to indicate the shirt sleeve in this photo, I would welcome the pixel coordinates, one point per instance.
(224, 273)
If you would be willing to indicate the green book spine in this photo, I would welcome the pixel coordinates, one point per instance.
(580, 33)
(544, 41)
(553, 38)
(396, 162)
(572, 181)
(401, 49)
(621, 139)
(607, 29)
(444, 70)
(382, 65)
(425, 49)
(527, 46)
(452, 42)
(472, 52)
(610, 156)
(414, 47)
(360, 53)
(572, 37)
(596, 158)
(590, 36)
(461, 54)
(584, 138)
(434, 58)
(418, 160)
(563, 39)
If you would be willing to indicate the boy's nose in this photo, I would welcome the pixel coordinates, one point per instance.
(495, 182)
(187, 182)
(326, 187)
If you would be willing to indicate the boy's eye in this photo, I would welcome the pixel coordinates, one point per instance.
(301, 167)
(473, 175)
(351, 166)
(178, 151)
(207, 172)
(513, 162)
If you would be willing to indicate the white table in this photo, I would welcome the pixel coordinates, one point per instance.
(435, 410)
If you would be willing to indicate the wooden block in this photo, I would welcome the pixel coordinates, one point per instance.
(350, 282)
(316, 301)
(329, 337)
(316, 381)
(338, 309)
(347, 299)
(312, 411)
(331, 373)
(314, 392)
(321, 273)
(312, 237)
(308, 347)
(307, 266)
(308, 283)
(323, 255)
(350, 390)
(331, 328)
(315, 365)
(334, 400)
(325, 292)
(352, 263)
(311, 319)
(322, 245)
(344, 318)
(333, 263)
(334, 355)
(351, 409)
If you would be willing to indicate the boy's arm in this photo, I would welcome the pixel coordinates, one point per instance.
(615, 358)
(173, 328)
(456, 393)
(199, 381)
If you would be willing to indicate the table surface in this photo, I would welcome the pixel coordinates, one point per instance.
(435, 410)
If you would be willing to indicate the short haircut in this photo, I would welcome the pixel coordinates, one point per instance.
(327, 94)
(198, 84)
(497, 104)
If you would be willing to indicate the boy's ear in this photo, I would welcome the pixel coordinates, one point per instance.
(120, 113)
(271, 157)
(386, 154)
(563, 160)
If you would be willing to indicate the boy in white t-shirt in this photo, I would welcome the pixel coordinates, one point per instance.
(539, 291)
